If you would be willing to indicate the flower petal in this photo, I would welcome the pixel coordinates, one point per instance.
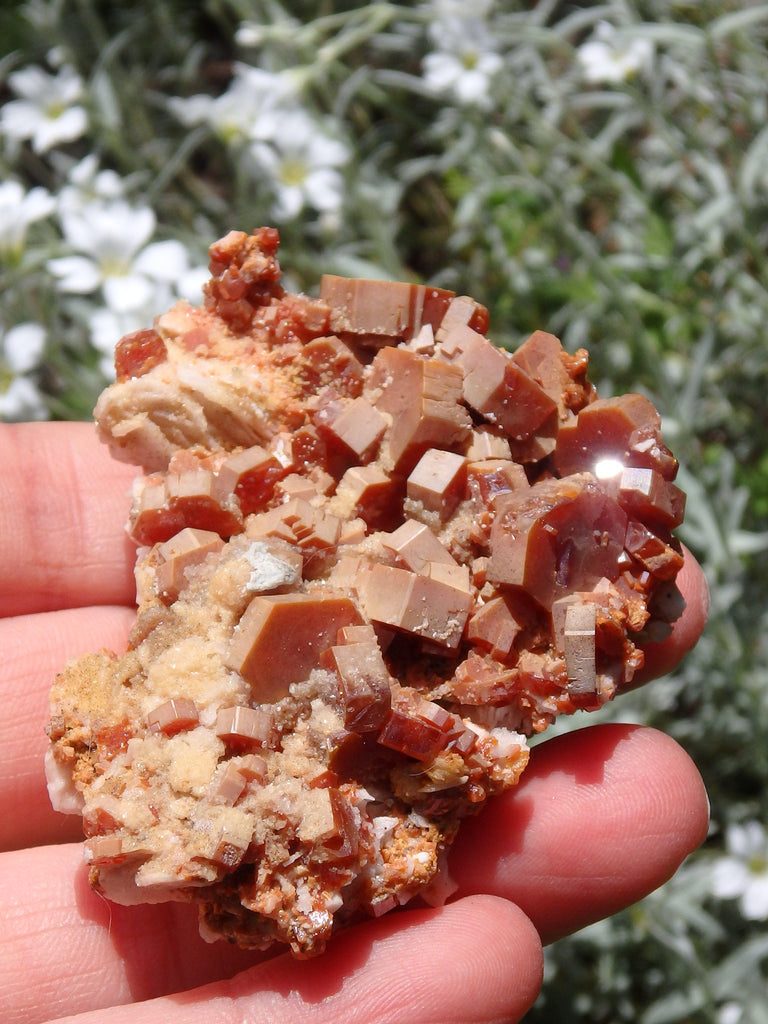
(32, 83)
(192, 110)
(729, 877)
(71, 124)
(289, 200)
(23, 347)
(164, 261)
(127, 292)
(746, 840)
(76, 274)
(80, 226)
(11, 195)
(754, 899)
(37, 203)
(325, 187)
(21, 402)
(18, 119)
(138, 224)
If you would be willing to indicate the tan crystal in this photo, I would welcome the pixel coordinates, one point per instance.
(280, 638)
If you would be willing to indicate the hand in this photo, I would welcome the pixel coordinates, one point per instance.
(602, 817)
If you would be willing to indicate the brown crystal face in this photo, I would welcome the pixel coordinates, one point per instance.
(375, 554)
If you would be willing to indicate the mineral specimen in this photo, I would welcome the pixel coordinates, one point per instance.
(375, 553)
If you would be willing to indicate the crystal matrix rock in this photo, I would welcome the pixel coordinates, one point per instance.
(375, 554)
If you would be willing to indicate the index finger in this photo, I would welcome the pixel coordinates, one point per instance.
(63, 505)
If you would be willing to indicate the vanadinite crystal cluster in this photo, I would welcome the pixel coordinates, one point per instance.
(375, 552)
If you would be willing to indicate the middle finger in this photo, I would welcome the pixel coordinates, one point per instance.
(35, 647)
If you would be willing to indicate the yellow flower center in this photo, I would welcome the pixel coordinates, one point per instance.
(293, 171)
(54, 109)
(113, 266)
(757, 864)
(228, 132)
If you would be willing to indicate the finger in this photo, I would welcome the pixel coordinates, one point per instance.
(476, 960)
(479, 959)
(63, 505)
(601, 817)
(35, 648)
(661, 658)
(64, 949)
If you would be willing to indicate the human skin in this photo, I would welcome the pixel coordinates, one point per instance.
(600, 818)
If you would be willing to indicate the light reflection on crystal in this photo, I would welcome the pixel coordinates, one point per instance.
(607, 468)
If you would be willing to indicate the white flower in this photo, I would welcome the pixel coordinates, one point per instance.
(743, 872)
(112, 252)
(22, 347)
(245, 111)
(112, 239)
(21, 401)
(86, 183)
(611, 56)
(19, 209)
(464, 59)
(303, 163)
(47, 112)
(21, 350)
(467, 75)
